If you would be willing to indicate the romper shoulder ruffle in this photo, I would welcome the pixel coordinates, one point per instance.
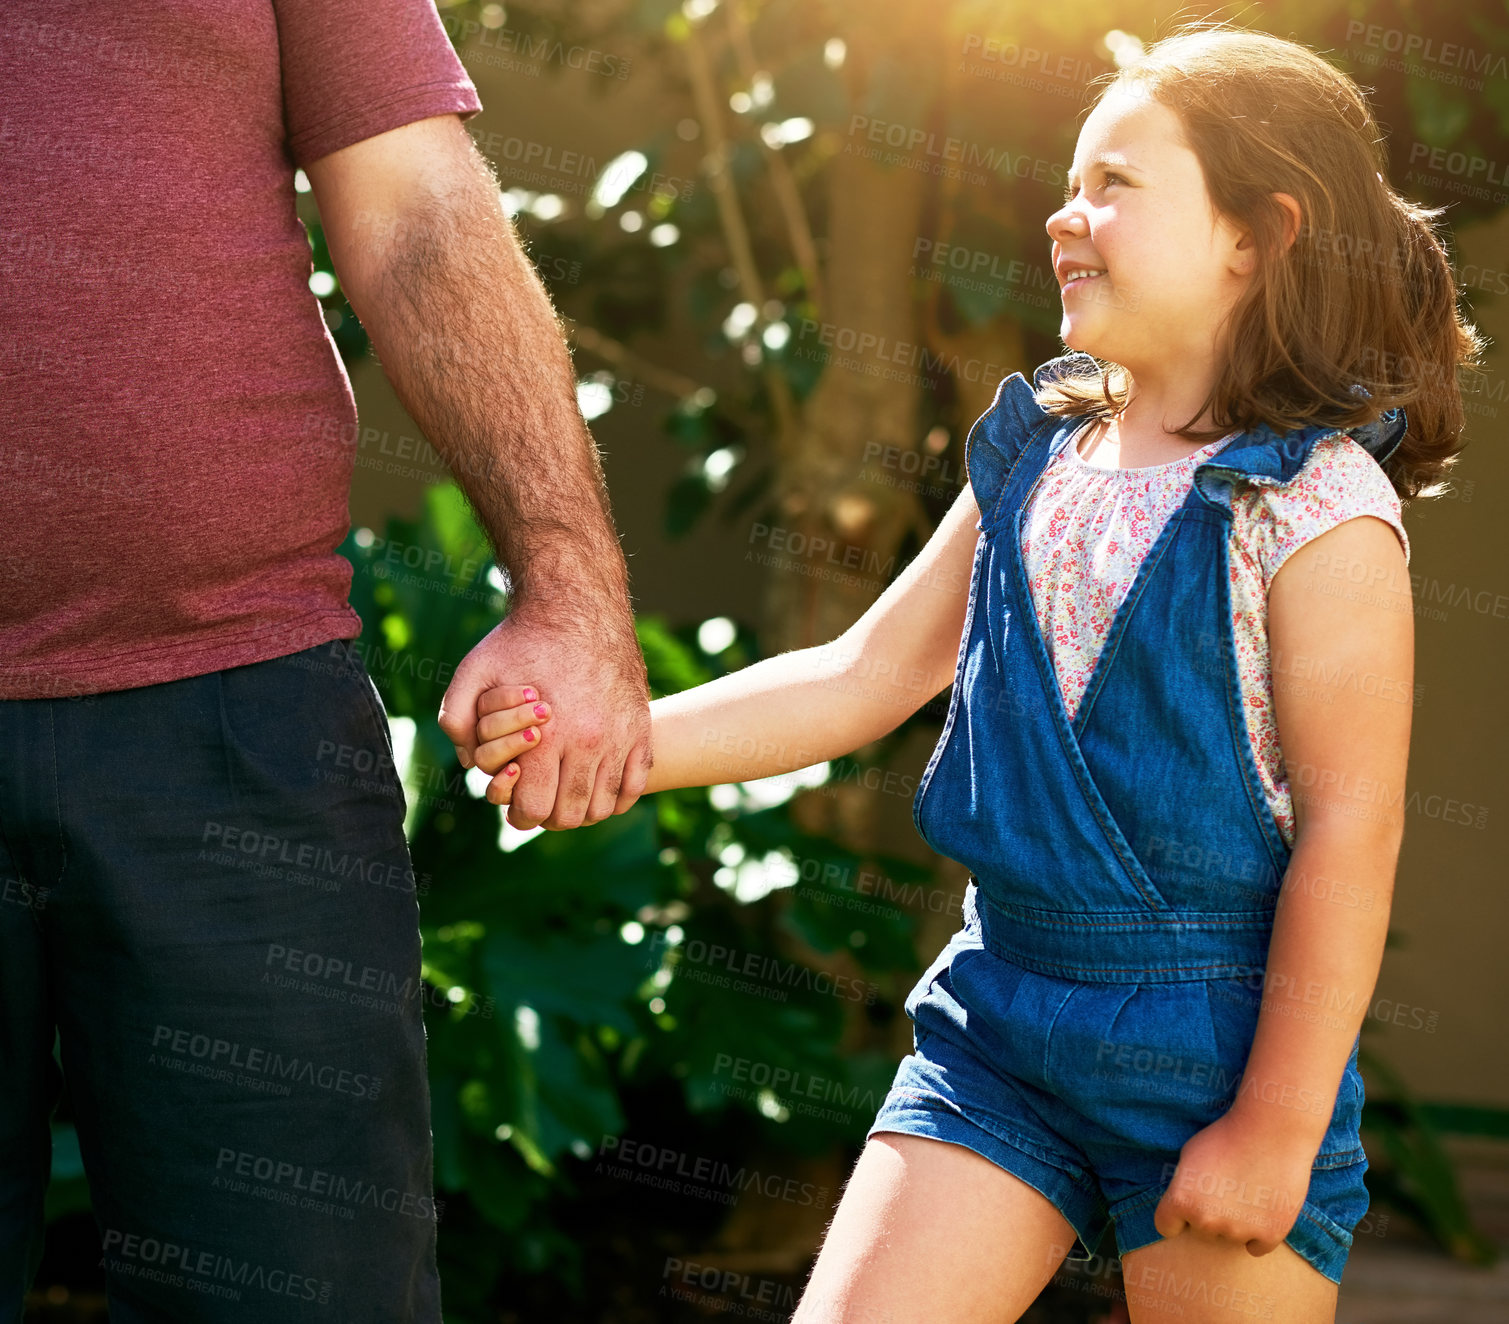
(1339, 481)
(999, 436)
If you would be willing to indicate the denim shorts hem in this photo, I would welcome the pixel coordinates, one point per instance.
(1081, 1209)
(1314, 1236)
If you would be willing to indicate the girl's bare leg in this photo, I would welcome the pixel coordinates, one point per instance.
(1199, 1279)
(929, 1231)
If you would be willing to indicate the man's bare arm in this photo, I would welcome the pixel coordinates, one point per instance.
(466, 334)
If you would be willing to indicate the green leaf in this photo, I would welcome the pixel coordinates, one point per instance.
(587, 982)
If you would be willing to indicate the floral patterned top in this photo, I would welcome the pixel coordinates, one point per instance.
(1088, 528)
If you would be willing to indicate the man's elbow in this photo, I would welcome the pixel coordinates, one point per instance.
(415, 225)
(416, 262)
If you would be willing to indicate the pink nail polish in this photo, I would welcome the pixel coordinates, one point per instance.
(512, 770)
(529, 736)
(529, 695)
(541, 711)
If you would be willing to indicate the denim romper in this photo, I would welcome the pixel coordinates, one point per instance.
(1097, 1006)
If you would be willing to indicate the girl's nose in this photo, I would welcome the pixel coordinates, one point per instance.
(1067, 223)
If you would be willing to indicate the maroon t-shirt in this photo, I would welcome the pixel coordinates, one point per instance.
(177, 434)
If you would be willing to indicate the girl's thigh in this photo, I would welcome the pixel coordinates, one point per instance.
(929, 1230)
(1205, 1280)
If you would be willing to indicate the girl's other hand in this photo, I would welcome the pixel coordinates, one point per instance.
(510, 721)
(1237, 1182)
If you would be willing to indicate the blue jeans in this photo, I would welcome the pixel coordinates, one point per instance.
(1087, 1091)
(206, 899)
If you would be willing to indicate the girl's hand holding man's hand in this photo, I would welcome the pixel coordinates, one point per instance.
(510, 723)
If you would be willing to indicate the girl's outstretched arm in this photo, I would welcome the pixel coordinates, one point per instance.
(1342, 604)
(812, 704)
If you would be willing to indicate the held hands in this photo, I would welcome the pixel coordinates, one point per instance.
(1237, 1181)
(594, 758)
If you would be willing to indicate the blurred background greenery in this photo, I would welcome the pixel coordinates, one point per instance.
(797, 243)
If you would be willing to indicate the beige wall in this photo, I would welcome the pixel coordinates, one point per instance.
(1451, 905)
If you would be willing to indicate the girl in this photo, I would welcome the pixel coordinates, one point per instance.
(1175, 750)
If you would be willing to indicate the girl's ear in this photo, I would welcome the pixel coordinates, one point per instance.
(1295, 216)
(1245, 257)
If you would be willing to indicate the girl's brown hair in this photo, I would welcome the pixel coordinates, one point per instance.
(1364, 294)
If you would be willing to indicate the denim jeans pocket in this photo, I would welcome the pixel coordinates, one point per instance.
(307, 725)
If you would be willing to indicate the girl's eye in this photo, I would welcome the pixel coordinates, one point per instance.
(1110, 175)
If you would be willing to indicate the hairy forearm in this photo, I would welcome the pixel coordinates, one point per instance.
(781, 714)
(466, 333)
(1323, 961)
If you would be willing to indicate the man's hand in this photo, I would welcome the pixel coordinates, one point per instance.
(594, 757)
(1237, 1181)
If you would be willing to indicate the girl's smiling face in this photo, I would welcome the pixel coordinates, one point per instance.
(1137, 210)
